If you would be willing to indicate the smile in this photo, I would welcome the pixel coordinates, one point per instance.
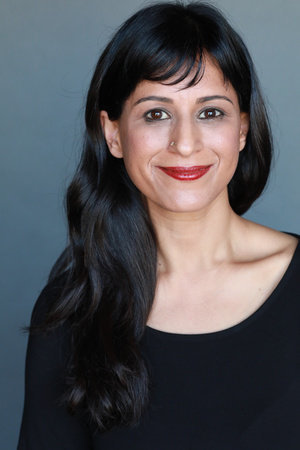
(186, 173)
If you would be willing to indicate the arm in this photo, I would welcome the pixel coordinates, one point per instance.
(46, 424)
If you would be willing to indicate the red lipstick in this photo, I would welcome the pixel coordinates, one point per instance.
(186, 173)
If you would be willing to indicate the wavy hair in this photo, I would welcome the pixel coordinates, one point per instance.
(109, 267)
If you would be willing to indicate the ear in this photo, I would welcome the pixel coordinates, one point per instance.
(244, 129)
(112, 135)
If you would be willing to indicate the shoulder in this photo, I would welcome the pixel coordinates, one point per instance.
(48, 346)
(47, 298)
(259, 242)
(269, 255)
(46, 422)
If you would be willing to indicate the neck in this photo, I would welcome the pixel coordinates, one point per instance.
(189, 242)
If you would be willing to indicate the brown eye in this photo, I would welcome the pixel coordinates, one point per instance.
(210, 113)
(156, 114)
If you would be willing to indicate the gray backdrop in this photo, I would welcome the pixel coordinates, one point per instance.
(48, 51)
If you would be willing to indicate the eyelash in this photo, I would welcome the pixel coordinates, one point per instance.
(217, 111)
(218, 114)
(148, 113)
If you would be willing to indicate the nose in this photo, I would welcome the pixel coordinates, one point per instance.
(185, 137)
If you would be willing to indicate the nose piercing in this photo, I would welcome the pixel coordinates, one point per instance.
(172, 144)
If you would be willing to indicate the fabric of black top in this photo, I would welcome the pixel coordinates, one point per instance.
(235, 389)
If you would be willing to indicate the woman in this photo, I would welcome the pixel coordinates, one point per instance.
(171, 322)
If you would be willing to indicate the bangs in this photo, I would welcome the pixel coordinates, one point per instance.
(176, 70)
(172, 64)
(170, 52)
(167, 45)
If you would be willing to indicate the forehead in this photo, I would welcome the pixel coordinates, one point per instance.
(211, 83)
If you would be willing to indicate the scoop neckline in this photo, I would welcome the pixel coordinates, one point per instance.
(242, 324)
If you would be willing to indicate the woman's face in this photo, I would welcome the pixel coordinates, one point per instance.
(180, 146)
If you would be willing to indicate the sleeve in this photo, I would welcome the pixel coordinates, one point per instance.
(46, 424)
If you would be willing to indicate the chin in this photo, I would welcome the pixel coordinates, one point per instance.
(190, 203)
(184, 207)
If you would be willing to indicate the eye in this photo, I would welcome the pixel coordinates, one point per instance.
(156, 115)
(210, 113)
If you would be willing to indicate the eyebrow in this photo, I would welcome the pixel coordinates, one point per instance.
(169, 100)
(155, 98)
(213, 97)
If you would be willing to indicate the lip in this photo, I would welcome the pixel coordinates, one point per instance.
(185, 173)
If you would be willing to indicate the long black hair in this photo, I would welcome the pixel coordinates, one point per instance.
(109, 267)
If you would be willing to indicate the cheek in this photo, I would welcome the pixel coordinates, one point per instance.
(226, 142)
(136, 156)
(141, 145)
(149, 137)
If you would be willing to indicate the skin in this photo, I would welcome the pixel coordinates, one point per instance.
(145, 144)
(200, 239)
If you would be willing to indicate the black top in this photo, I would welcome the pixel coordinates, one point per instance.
(235, 389)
